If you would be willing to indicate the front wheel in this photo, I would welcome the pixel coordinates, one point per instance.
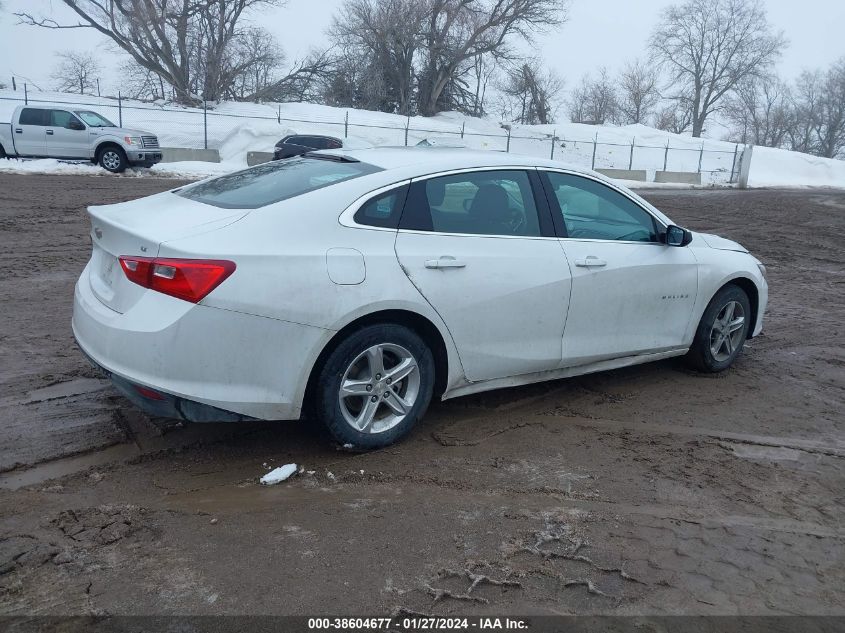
(722, 331)
(113, 159)
(375, 386)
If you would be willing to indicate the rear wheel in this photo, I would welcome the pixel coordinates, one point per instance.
(375, 386)
(722, 331)
(112, 159)
(2, 152)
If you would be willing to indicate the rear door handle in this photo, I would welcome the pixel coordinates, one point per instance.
(50, 132)
(445, 261)
(590, 261)
(18, 131)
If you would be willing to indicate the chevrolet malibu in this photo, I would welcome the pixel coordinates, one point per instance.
(355, 286)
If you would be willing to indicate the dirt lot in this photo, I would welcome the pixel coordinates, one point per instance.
(646, 490)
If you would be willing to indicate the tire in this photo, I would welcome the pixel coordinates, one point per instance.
(368, 416)
(112, 159)
(721, 335)
(2, 152)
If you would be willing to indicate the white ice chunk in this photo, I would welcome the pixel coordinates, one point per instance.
(279, 474)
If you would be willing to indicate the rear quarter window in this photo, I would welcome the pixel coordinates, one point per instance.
(34, 116)
(273, 182)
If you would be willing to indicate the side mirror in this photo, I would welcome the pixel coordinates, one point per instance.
(676, 236)
(75, 125)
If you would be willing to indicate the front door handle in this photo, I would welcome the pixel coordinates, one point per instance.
(590, 261)
(445, 261)
(18, 131)
(50, 132)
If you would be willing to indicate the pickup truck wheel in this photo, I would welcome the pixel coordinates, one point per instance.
(2, 152)
(112, 159)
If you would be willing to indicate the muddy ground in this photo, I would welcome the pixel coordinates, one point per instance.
(646, 490)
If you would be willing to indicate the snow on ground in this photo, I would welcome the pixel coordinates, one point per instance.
(237, 128)
(186, 169)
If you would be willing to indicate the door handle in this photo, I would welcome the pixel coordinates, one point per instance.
(50, 132)
(445, 261)
(18, 131)
(590, 261)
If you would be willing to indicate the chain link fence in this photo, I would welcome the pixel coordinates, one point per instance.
(250, 125)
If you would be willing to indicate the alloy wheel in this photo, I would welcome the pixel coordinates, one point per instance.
(111, 160)
(727, 331)
(379, 388)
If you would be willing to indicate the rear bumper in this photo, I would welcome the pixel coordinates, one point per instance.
(237, 364)
(166, 405)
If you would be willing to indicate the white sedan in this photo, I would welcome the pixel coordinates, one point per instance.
(357, 285)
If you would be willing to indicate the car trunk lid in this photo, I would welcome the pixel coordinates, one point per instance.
(138, 228)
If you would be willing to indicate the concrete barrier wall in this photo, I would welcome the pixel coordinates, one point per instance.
(179, 154)
(745, 166)
(624, 174)
(682, 177)
(256, 158)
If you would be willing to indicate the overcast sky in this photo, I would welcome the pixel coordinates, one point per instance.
(598, 32)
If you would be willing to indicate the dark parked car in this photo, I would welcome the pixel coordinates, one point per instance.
(297, 144)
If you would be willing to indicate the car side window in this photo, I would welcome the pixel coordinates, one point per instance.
(474, 203)
(384, 209)
(61, 118)
(308, 141)
(592, 210)
(34, 116)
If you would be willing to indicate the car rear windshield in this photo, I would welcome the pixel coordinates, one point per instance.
(275, 181)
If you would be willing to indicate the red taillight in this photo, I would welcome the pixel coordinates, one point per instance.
(188, 279)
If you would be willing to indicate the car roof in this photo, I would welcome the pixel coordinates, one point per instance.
(434, 159)
(413, 162)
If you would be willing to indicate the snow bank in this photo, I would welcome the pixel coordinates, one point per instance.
(781, 168)
(237, 128)
(189, 170)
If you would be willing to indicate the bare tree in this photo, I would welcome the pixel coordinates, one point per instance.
(185, 42)
(483, 69)
(818, 112)
(354, 81)
(76, 71)
(806, 110)
(675, 117)
(531, 92)
(253, 64)
(760, 112)
(457, 31)
(710, 46)
(594, 101)
(639, 92)
(137, 82)
(830, 121)
(384, 35)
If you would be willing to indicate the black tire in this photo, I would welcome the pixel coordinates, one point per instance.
(701, 355)
(112, 158)
(2, 152)
(327, 406)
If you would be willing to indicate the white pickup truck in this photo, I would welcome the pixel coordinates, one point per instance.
(73, 134)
